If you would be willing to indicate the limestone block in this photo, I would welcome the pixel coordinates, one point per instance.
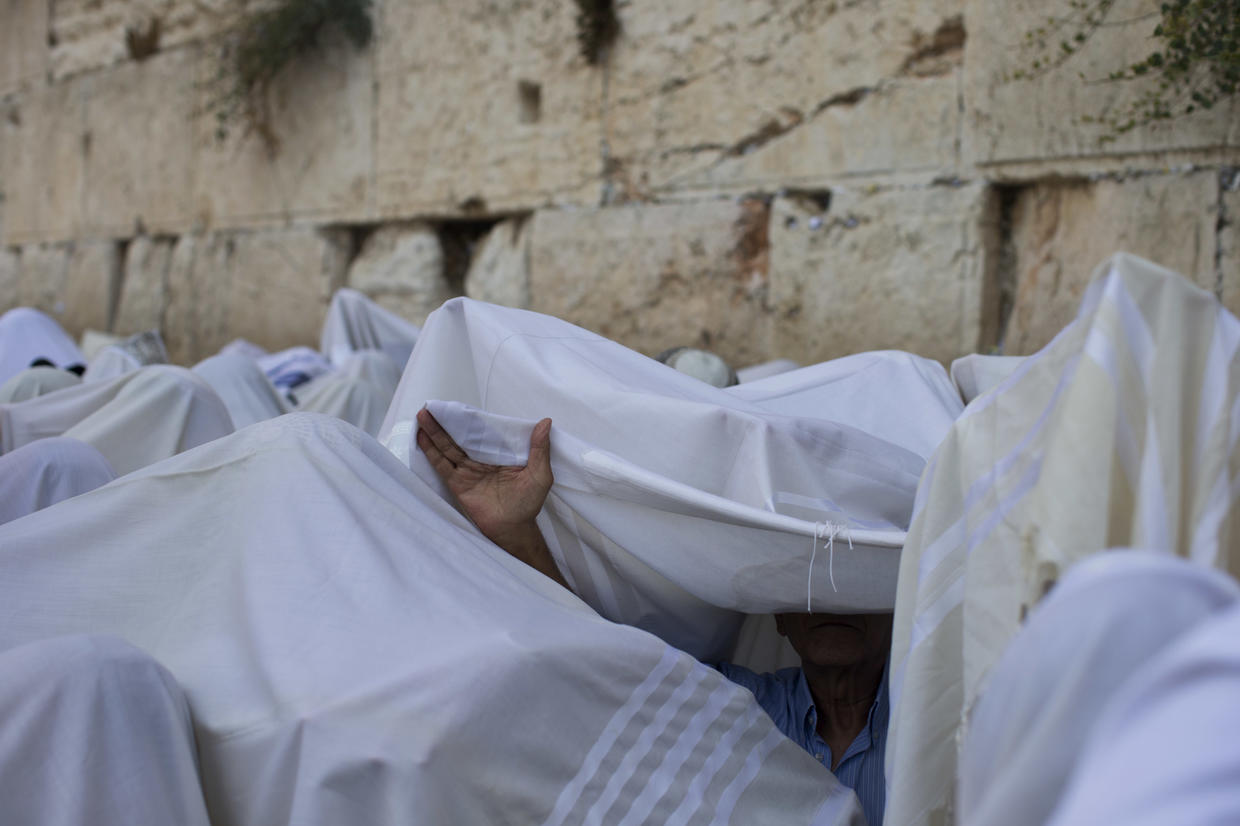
(500, 270)
(907, 125)
(695, 90)
(1061, 231)
(94, 34)
(318, 161)
(139, 120)
(44, 164)
(657, 276)
(144, 288)
(907, 269)
(401, 266)
(91, 286)
(42, 272)
(1017, 120)
(10, 272)
(1229, 246)
(484, 107)
(23, 43)
(271, 288)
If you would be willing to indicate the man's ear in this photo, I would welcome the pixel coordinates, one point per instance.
(779, 625)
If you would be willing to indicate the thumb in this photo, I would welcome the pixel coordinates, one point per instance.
(540, 453)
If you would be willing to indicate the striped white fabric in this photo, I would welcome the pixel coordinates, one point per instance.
(1123, 431)
(353, 651)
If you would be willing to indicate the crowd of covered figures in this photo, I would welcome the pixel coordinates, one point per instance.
(240, 594)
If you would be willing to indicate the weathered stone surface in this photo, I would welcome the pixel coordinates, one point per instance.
(93, 34)
(401, 266)
(657, 276)
(456, 131)
(316, 162)
(1061, 231)
(92, 283)
(138, 149)
(44, 164)
(23, 43)
(41, 277)
(1229, 245)
(1019, 120)
(500, 270)
(144, 288)
(271, 288)
(10, 272)
(761, 91)
(907, 269)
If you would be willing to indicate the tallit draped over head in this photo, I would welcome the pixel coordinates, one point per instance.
(243, 387)
(677, 506)
(1107, 618)
(354, 651)
(355, 323)
(47, 471)
(133, 420)
(27, 334)
(94, 731)
(359, 392)
(1165, 749)
(35, 382)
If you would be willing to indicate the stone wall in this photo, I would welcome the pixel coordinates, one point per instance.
(766, 178)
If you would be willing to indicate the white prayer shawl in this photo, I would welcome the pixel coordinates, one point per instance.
(35, 382)
(354, 323)
(48, 471)
(1107, 618)
(133, 420)
(1165, 750)
(290, 369)
(243, 388)
(129, 353)
(359, 392)
(676, 505)
(974, 374)
(110, 362)
(354, 651)
(906, 399)
(93, 731)
(765, 369)
(1123, 431)
(27, 334)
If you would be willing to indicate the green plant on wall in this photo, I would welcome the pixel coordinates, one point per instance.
(1194, 60)
(597, 27)
(267, 42)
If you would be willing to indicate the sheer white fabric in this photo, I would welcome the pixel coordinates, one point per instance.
(765, 369)
(1107, 618)
(133, 419)
(35, 382)
(354, 323)
(902, 398)
(110, 362)
(358, 392)
(290, 369)
(1165, 750)
(243, 387)
(354, 651)
(676, 504)
(1123, 432)
(974, 374)
(27, 334)
(94, 731)
(45, 472)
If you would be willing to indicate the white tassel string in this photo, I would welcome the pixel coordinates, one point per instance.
(828, 531)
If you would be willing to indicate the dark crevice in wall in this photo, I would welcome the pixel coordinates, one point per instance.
(116, 280)
(849, 98)
(1228, 181)
(459, 240)
(767, 132)
(1006, 271)
(939, 53)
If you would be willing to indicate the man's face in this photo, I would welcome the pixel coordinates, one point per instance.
(837, 640)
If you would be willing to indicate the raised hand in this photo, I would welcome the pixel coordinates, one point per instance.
(501, 500)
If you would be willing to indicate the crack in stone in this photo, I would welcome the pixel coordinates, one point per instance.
(767, 132)
(939, 53)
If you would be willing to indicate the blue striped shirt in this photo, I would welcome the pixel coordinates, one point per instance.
(785, 696)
